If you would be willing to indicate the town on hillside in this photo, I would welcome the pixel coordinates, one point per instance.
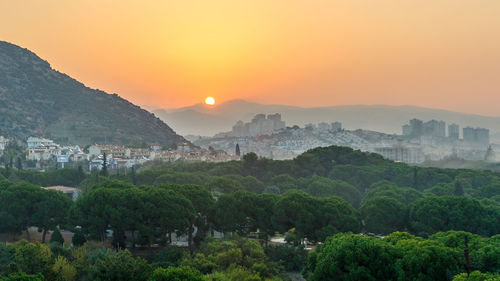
(420, 141)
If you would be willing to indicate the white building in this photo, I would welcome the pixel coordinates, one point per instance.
(42, 149)
(71, 192)
(37, 142)
(4, 142)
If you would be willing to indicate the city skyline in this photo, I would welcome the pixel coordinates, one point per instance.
(426, 53)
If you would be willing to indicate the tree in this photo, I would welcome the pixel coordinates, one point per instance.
(78, 238)
(383, 215)
(56, 237)
(459, 190)
(133, 176)
(323, 187)
(166, 211)
(314, 218)
(237, 150)
(183, 273)
(104, 170)
(228, 215)
(351, 257)
(19, 164)
(429, 215)
(18, 207)
(426, 260)
(51, 211)
(203, 203)
(109, 265)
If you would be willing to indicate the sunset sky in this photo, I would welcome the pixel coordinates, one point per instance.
(439, 54)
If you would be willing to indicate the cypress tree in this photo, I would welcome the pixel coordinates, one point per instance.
(56, 237)
(19, 164)
(104, 170)
(238, 150)
(78, 239)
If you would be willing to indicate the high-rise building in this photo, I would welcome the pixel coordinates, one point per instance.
(336, 126)
(406, 130)
(476, 135)
(415, 129)
(435, 128)
(453, 131)
(260, 125)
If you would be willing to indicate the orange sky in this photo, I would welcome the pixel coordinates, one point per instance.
(440, 54)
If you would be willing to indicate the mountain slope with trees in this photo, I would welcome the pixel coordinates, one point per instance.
(37, 100)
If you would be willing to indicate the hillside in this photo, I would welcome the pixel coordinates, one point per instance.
(203, 120)
(36, 100)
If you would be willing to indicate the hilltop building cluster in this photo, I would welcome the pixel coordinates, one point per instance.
(417, 129)
(420, 141)
(260, 125)
(42, 152)
(4, 142)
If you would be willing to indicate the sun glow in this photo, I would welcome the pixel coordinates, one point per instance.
(210, 101)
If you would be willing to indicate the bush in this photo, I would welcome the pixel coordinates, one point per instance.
(183, 273)
(78, 239)
(56, 237)
(170, 256)
(21, 276)
(292, 258)
(63, 270)
(33, 258)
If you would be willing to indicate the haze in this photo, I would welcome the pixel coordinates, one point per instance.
(439, 54)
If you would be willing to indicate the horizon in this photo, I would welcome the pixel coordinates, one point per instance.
(152, 107)
(176, 54)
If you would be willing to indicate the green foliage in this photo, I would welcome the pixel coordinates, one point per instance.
(78, 238)
(56, 237)
(62, 270)
(432, 214)
(182, 273)
(357, 257)
(324, 187)
(21, 276)
(292, 258)
(314, 218)
(383, 215)
(33, 258)
(7, 252)
(477, 276)
(237, 256)
(170, 256)
(108, 265)
(352, 257)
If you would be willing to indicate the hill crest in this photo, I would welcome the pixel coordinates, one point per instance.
(37, 100)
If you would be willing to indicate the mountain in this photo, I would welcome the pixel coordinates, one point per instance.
(204, 120)
(36, 100)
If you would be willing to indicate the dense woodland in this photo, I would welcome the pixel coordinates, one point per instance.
(366, 218)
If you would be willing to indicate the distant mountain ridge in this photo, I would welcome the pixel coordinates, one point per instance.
(203, 120)
(40, 101)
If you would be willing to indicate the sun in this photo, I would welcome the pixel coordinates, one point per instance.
(210, 101)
